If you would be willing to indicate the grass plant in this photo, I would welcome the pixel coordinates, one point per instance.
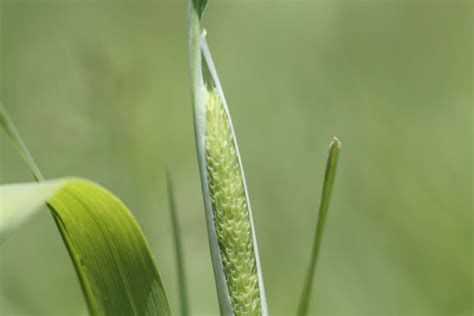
(109, 251)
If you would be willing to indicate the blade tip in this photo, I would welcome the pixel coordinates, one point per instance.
(335, 143)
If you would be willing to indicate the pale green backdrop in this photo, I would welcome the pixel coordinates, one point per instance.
(100, 89)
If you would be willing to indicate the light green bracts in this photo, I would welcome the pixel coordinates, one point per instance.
(231, 215)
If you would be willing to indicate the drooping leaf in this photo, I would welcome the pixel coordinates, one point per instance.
(230, 225)
(328, 185)
(112, 258)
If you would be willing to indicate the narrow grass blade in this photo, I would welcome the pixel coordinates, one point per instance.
(17, 141)
(183, 291)
(323, 210)
(230, 225)
(117, 272)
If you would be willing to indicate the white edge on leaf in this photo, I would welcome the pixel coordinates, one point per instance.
(199, 100)
(19, 201)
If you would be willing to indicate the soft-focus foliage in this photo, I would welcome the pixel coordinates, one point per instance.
(101, 90)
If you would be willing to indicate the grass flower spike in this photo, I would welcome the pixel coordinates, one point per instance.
(231, 215)
(231, 231)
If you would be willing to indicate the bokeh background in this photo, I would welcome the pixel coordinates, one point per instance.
(100, 89)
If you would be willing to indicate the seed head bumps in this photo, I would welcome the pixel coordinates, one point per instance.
(229, 205)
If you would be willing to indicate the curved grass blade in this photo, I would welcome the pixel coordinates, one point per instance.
(230, 225)
(183, 291)
(116, 269)
(109, 252)
(328, 185)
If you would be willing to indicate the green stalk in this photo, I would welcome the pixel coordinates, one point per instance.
(182, 280)
(19, 144)
(231, 231)
(328, 185)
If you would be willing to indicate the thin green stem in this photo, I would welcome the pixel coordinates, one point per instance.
(328, 185)
(19, 144)
(182, 280)
(198, 100)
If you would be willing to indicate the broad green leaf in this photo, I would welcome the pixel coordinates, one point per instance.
(114, 264)
(115, 267)
(230, 225)
(328, 185)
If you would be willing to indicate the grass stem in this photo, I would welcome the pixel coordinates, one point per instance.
(182, 280)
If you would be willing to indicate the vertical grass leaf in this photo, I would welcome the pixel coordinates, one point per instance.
(230, 225)
(116, 269)
(182, 280)
(328, 185)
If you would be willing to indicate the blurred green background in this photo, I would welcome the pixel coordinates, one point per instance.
(101, 90)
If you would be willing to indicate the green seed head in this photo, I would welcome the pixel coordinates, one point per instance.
(230, 208)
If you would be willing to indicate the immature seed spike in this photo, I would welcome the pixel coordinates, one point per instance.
(230, 209)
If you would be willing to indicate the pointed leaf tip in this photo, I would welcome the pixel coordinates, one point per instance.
(328, 185)
(200, 6)
(335, 143)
